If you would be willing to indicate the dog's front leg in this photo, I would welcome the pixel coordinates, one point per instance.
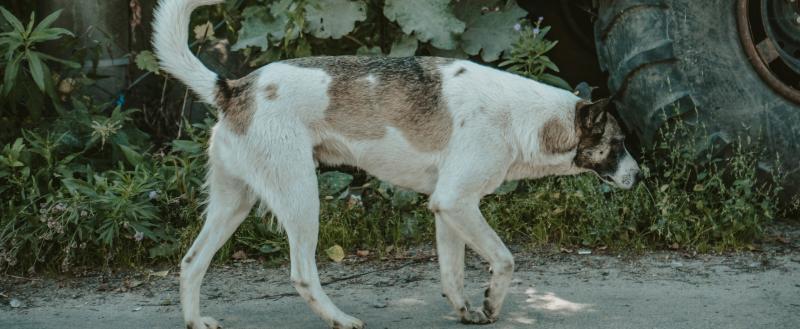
(463, 216)
(450, 251)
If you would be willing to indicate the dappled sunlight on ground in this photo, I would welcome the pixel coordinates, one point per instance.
(521, 318)
(549, 302)
(408, 302)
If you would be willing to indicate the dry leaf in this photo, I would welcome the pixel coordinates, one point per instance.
(136, 16)
(336, 253)
(565, 250)
(362, 253)
(239, 255)
(204, 31)
(161, 274)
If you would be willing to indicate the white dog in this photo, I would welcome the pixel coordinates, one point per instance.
(448, 128)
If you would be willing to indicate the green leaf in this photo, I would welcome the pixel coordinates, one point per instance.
(165, 249)
(332, 182)
(404, 199)
(507, 187)
(48, 34)
(78, 187)
(11, 19)
(146, 61)
(452, 53)
(555, 81)
(10, 77)
(333, 18)
(369, 51)
(404, 46)
(29, 29)
(490, 33)
(70, 64)
(35, 64)
(186, 146)
(429, 21)
(258, 26)
(134, 157)
(47, 21)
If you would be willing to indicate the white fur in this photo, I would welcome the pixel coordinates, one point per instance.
(496, 119)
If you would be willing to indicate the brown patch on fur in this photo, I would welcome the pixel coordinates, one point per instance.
(369, 94)
(235, 100)
(190, 257)
(460, 71)
(556, 138)
(332, 152)
(190, 325)
(272, 91)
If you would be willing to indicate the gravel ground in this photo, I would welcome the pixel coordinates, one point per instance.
(759, 289)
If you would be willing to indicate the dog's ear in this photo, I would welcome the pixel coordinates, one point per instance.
(592, 117)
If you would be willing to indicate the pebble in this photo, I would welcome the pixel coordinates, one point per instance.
(15, 303)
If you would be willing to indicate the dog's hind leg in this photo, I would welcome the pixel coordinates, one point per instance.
(229, 202)
(450, 251)
(289, 186)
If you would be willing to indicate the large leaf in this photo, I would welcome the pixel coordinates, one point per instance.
(332, 182)
(334, 18)
(259, 26)
(404, 46)
(490, 32)
(430, 20)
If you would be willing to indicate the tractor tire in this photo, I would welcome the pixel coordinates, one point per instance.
(684, 58)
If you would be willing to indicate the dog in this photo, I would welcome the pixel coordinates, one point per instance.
(451, 129)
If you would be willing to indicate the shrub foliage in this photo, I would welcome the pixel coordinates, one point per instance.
(82, 184)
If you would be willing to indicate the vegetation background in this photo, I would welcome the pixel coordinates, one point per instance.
(113, 179)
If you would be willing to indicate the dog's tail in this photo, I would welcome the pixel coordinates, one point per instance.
(170, 41)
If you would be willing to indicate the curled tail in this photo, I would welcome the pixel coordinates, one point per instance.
(170, 41)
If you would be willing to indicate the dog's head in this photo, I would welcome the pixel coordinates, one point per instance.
(601, 148)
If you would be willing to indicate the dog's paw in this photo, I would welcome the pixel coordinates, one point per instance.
(347, 322)
(477, 316)
(203, 323)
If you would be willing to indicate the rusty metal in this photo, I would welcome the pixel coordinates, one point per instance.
(759, 63)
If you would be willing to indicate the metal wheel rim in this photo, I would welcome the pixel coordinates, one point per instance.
(762, 54)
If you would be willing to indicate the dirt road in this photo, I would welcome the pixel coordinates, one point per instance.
(550, 290)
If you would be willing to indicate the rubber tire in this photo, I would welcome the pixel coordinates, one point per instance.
(668, 56)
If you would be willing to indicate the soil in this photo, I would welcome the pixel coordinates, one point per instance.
(551, 289)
